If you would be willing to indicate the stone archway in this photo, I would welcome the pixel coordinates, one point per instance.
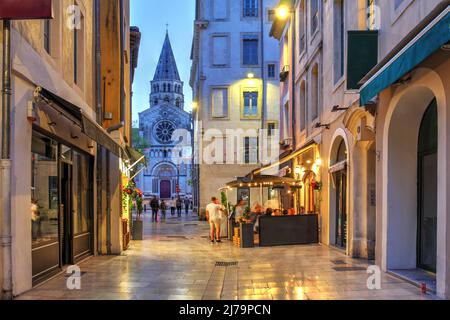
(338, 191)
(401, 206)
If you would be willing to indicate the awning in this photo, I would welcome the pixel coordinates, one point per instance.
(257, 181)
(310, 144)
(88, 126)
(428, 37)
(136, 158)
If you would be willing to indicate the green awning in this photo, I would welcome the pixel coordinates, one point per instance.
(136, 156)
(428, 40)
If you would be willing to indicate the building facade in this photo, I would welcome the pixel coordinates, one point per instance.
(373, 154)
(235, 85)
(59, 215)
(167, 128)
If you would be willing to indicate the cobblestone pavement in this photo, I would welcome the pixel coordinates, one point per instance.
(176, 261)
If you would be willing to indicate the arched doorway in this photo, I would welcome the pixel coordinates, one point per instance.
(338, 194)
(427, 190)
(340, 178)
(165, 177)
(411, 175)
(165, 189)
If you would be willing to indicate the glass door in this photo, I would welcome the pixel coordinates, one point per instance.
(66, 233)
(427, 190)
(44, 207)
(341, 208)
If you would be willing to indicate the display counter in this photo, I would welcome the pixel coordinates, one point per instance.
(288, 230)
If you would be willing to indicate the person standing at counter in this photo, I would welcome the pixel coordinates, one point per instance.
(214, 212)
(239, 211)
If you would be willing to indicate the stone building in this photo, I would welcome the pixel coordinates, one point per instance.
(366, 82)
(162, 125)
(64, 140)
(235, 82)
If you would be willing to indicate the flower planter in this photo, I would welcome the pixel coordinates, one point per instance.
(138, 230)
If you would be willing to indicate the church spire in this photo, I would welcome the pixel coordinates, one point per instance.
(167, 66)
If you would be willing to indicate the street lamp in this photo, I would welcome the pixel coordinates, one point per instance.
(282, 12)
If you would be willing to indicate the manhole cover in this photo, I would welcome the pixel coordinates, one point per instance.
(226, 264)
(347, 269)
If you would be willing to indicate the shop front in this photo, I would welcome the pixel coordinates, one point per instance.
(62, 205)
(411, 92)
(273, 222)
(62, 184)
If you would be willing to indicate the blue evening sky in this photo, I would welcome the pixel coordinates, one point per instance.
(151, 16)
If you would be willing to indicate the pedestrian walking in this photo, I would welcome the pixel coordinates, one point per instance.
(186, 205)
(172, 206)
(214, 213)
(179, 205)
(163, 209)
(154, 204)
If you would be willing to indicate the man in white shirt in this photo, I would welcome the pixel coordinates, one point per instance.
(214, 212)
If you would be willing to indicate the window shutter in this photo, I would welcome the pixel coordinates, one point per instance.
(219, 103)
(220, 50)
(220, 9)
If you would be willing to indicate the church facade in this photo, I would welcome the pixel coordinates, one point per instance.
(166, 127)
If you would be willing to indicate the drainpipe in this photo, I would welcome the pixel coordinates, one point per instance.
(108, 203)
(5, 167)
(263, 74)
(122, 65)
(99, 106)
(293, 76)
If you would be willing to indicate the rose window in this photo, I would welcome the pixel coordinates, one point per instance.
(164, 131)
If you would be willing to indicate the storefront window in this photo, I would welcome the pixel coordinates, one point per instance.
(80, 200)
(44, 190)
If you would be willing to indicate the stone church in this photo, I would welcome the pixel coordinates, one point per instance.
(166, 128)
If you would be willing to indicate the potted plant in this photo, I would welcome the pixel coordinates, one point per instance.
(133, 197)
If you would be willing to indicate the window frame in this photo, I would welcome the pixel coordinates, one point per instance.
(246, 37)
(245, 90)
(257, 10)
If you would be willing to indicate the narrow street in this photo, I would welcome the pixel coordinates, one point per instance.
(177, 262)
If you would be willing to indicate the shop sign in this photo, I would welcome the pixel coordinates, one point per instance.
(25, 9)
